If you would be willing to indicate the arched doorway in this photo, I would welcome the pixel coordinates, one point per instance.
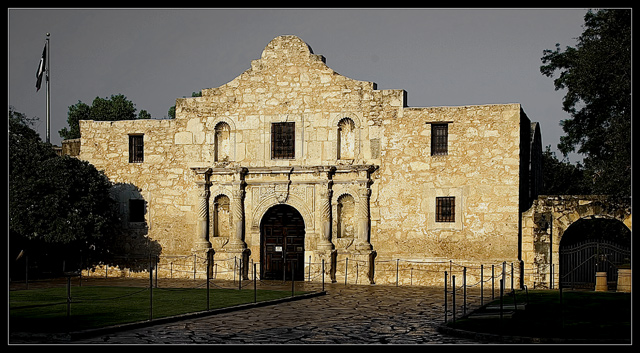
(593, 245)
(282, 243)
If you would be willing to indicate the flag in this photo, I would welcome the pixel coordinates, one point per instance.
(41, 68)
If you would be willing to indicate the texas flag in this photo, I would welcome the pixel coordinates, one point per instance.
(41, 68)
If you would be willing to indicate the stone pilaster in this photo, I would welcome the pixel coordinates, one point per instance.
(325, 217)
(362, 243)
(236, 243)
(202, 223)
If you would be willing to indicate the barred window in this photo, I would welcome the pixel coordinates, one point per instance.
(136, 210)
(283, 140)
(136, 149)
(445, 209)
(439, 139)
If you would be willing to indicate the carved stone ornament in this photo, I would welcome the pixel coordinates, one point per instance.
(282, 192)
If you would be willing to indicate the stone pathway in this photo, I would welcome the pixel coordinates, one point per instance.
(352, 314)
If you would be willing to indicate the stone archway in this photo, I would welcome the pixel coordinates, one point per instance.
(545, 223)
(593, 245)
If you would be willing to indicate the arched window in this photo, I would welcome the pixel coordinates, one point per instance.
(221, 216)
(346, 216)
(346, 139)
(222, 142)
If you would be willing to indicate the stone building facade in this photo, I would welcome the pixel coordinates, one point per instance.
(291, 163)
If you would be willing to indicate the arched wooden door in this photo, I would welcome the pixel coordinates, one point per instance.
(282, 244)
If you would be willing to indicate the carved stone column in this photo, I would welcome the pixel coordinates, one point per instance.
(362, 243)
(202, 222)
(325, 218)
(236, 243)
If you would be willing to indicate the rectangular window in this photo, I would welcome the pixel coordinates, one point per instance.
(136, 149)
(136, 210)
(283, 141)
(445, 209)
(439, 139)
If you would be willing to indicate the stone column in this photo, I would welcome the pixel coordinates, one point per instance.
(325, 218)
(236, 242)
(202, 223)
(362, 243)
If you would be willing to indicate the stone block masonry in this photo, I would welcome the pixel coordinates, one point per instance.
(356, 164)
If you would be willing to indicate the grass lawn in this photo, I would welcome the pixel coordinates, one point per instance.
(582, 315)
(45, 310)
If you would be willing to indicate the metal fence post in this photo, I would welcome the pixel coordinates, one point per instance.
(512, 276)
(208, 269)
(481, 284)
(504, 272)
(323, 275)
(346, 268)
(150, 291)
(453, 297)
(68, 296)
(240, 261)
(156, 268)
(493, 282)
(464, 291)
(501, 294)
(26, 270)
(293, 280)
(445, 297)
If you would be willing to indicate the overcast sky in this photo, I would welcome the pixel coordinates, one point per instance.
(441, 57)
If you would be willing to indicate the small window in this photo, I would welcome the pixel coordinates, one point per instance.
(445, 209)
(136, 210)
(439, 139)
(136, 149)
(283, 140)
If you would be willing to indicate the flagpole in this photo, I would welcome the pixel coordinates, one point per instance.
(48, 91)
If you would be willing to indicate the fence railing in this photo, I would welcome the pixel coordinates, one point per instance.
(346, 270)
(152, 287)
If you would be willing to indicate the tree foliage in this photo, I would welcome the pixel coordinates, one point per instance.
(562, 177)
(117, 107)
(56, 204)
(597, 77)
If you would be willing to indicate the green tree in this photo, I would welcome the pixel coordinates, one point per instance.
(26, 150)
(117, 107)
(597, 77)
(561, 177)
(57, 204)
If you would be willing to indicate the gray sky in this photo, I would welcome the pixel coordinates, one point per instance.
(441, 57)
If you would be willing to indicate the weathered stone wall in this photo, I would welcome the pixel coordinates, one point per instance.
(162, 179)
(544, 224)
(220, 145)
(481, 170)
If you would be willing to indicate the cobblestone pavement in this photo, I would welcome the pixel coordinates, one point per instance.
(351, 314)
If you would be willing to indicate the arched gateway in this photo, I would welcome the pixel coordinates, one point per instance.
(552, 219)
(282, 243)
